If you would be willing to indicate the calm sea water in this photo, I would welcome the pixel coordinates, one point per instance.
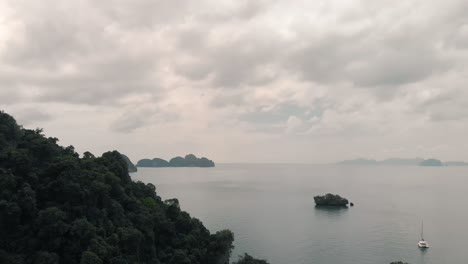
(271, 211)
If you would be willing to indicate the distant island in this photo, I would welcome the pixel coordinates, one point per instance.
(401, 162)
(330, 200)
(130, 165)
(456, 163)
(390, 162)
(189, 160)
(431, 162)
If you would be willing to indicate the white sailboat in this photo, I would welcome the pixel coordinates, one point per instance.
(422, 243)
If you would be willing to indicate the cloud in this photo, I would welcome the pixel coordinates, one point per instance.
(244, 58)
(369, 59)
(8, 95)
(333, 75)
(142, 115)
(71, 57)
(145, 14)
(129, 122)
(29, 116)
(294, 124)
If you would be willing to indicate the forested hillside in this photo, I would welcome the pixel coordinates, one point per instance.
(56, 207)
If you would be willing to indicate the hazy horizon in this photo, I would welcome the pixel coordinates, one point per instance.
(241, 81)
(337, 162)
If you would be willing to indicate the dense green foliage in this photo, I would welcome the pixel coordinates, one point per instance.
(247, 259)
(56, 207)
(431, 162)
(330, 200)
(130, 165)
(190, 160)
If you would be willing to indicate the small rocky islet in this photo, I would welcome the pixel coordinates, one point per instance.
(332, 200)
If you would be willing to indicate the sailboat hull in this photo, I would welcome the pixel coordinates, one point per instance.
(423, 244)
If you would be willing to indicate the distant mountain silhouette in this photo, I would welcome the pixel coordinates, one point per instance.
(399, 161)
(431, 162)
(456, 163)
(156, 162)
(189, 160)
(390, 162)
(402, 162)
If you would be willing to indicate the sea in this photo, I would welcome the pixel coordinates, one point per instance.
(270, 208)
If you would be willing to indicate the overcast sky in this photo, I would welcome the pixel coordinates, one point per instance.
(241, 80)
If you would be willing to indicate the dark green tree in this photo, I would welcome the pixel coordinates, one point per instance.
(247, 259)
(131, 167)
(89, 257)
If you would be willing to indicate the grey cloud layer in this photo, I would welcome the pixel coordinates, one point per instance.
(249, 69)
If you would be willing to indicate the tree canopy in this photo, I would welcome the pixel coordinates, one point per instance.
(130, 165)
(247, 259)
(56, 207)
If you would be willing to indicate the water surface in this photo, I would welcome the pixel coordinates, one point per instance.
(271, 211)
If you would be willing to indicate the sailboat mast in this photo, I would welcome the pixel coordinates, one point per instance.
(422, 230)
